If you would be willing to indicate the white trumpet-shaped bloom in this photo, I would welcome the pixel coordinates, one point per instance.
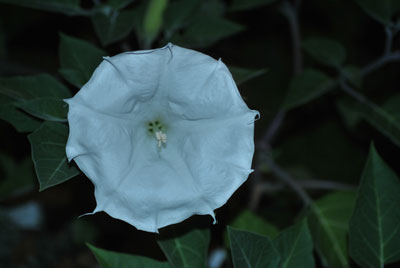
(163, 134)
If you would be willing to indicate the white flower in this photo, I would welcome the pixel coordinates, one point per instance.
(163, 134)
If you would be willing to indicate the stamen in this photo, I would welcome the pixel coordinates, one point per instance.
(161, 138)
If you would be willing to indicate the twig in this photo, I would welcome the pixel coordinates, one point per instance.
(290, 11)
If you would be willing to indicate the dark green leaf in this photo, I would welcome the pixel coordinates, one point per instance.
(17, 118)
(68, 7)
(392, 106)
(185, 250)
(375, 223)
(381, 10)
(353, 75)
(242, 75)
(113, 25)
(17, 177)
(49, 108)
(328, 220)
(48, 154)
(111, 259)
(325, 50)
(252, 250)
(178, 14)
(306, 87)
(119, 4)
(31, 87)
(153, 20)
(207, 30)
(295, 247)
(387, 123)
(249, 221)
(238, 5)
(78, 59)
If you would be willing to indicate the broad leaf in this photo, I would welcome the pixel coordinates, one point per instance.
(17, 178)
(47, 108)
(111, 259)
(48, 154)
(31, 87)
(68, 7)
(375, 223)
(113, 25)
(242, 75)
(251, 222)
(306, 87)
(295, 247)
(381, 10)
(238, 5)
(178, 14)
(328, 220)
(353, 75)
(17, 118)
(252, 250)
(206, 30)
(384, 121)
(325, 50)
(153, 20)
(185, 250)
(78, 59)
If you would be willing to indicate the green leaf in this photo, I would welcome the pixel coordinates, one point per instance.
(119, 4)
(207, 30)
(78, 59)
(185, 250)
(381, 10)
(111, 259)
(392, 106)
(328, 220)
(353, 75)
(242, 75)
(307, 86)
(68, 7)
(47, 108)
(31, 87)
(17, 177)
(326, 51)
(48, 154)
(113, 25)
(252, 250)
(385, 122)
(17, 118)
(295, 247)
(239, 5)
(153, 20)
(375, 224)
(251, 222)
(178, 14)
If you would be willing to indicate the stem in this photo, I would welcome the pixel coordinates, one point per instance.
(291, 13)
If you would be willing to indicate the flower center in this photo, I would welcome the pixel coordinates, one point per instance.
(157, 129)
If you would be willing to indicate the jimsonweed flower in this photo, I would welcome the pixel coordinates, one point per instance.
(163, 134)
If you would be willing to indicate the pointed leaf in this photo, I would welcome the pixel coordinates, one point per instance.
(375, 223)
(306, 87)
(17, 118)
(153, 19)
(113, 25)
(295, 247)
(47, 108)
(30, 87)
(381, 10)
(48, 154)
(383, 120)
(68, 7)
(252, 250)
(111, 259)
(239, 5)
(78, 59)
(242, 75)
(185, 250)
(328, 220)
(326, 51)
